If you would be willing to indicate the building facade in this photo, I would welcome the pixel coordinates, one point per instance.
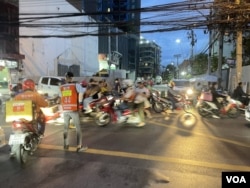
(58, 49)
(120, 18)
(150, 59)
(10, 58)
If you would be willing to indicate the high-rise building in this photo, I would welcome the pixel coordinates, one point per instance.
(122, 17)
(117, 16)
(150, 59)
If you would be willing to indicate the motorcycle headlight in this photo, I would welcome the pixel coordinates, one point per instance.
(190, 92)
(40, 92)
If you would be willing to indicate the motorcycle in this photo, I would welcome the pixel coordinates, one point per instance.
(158, 103)
(95, 105)
(121, 114)
(206, 108)
(24, 140)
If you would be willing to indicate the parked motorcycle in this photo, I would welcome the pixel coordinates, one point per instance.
(121, 114)
(206, 108)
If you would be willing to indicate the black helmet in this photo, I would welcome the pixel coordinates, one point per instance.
(69, 75)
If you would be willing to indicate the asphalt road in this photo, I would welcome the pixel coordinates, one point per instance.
(172, 151)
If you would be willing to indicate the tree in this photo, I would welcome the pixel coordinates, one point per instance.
(199, 65)
(169, 72)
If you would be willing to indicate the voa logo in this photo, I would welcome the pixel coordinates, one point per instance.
(236, 179)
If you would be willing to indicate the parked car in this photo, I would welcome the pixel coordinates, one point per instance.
(50, 85)
(182, 85)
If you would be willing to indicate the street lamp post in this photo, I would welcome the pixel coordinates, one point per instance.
(177, 58)
(109, 42)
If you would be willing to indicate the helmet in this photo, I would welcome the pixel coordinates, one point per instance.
(69, 75)
(127, 83)
(171, 84)
(28, 84)
(84, 83)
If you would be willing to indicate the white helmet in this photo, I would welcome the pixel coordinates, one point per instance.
(127, 83)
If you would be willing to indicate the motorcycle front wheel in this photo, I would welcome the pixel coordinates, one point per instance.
(201, 110)
(158, 107)
(102, 119)
(188, 108)
(21, 154)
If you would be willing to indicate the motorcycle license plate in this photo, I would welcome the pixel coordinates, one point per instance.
(16, 139)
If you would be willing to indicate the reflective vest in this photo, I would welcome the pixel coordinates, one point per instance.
(69, 99)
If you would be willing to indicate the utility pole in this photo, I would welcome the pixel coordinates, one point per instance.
(177, 58)
(238, 50)
(192, 36)
(209, 47)
(220, 53)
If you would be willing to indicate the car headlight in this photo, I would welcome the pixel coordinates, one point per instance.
(1, 95)
(190, 92)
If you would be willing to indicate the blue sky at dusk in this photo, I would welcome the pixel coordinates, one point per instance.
(167, 40)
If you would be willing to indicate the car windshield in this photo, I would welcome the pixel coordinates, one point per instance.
(182, 83)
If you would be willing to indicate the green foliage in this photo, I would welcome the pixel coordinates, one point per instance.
(169, 73)
(199, 64)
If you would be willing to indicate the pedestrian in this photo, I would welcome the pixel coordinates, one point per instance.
(147, 104)
(117, 87)
(71, 100)
(142, 93)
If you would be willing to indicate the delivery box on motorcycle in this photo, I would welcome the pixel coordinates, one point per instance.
(19, 109)
(206, 96)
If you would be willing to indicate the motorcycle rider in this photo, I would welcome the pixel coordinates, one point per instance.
(240, 95)
(172, 94)
(29, 93)
(215, 95)
(127, 97)
(92, 93)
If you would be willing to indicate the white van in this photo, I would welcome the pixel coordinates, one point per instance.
(50, 85)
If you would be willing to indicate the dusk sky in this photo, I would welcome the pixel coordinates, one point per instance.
(167, 40)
